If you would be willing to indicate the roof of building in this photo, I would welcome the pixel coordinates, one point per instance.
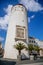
(31, 37)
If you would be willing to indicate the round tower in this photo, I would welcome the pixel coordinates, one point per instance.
(17, 30)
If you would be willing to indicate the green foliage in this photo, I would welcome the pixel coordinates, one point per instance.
(33, 47)
(37, 48)
(30, 47)
(19, 47)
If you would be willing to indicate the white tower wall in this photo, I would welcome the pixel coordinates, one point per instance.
(18, 17)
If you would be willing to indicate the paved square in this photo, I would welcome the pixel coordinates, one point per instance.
(41, 63)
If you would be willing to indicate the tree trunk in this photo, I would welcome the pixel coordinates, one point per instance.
(19, 56)
(19, 52)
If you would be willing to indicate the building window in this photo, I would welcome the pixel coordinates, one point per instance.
(34, 41)
(15, 8)
(22, 8)
(20, 32)
(30, 41)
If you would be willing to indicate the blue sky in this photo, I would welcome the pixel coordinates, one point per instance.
(35, 17)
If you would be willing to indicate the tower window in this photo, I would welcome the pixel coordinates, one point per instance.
(20, 32)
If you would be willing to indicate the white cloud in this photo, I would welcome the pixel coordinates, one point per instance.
(1, 39)
(4, 20)
(31, 17)
(31, 5)
(8, 9)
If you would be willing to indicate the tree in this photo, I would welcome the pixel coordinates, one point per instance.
(37, 48)
(30, 48)
(0, 44)
(19, 47)
(1, 50)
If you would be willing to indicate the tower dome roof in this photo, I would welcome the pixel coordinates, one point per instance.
(19, 5)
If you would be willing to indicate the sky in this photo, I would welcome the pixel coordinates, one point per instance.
(34, 14)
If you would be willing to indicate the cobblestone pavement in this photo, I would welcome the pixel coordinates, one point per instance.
(41, 63)
(22, 62)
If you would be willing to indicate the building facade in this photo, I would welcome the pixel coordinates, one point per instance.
(37, 42)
